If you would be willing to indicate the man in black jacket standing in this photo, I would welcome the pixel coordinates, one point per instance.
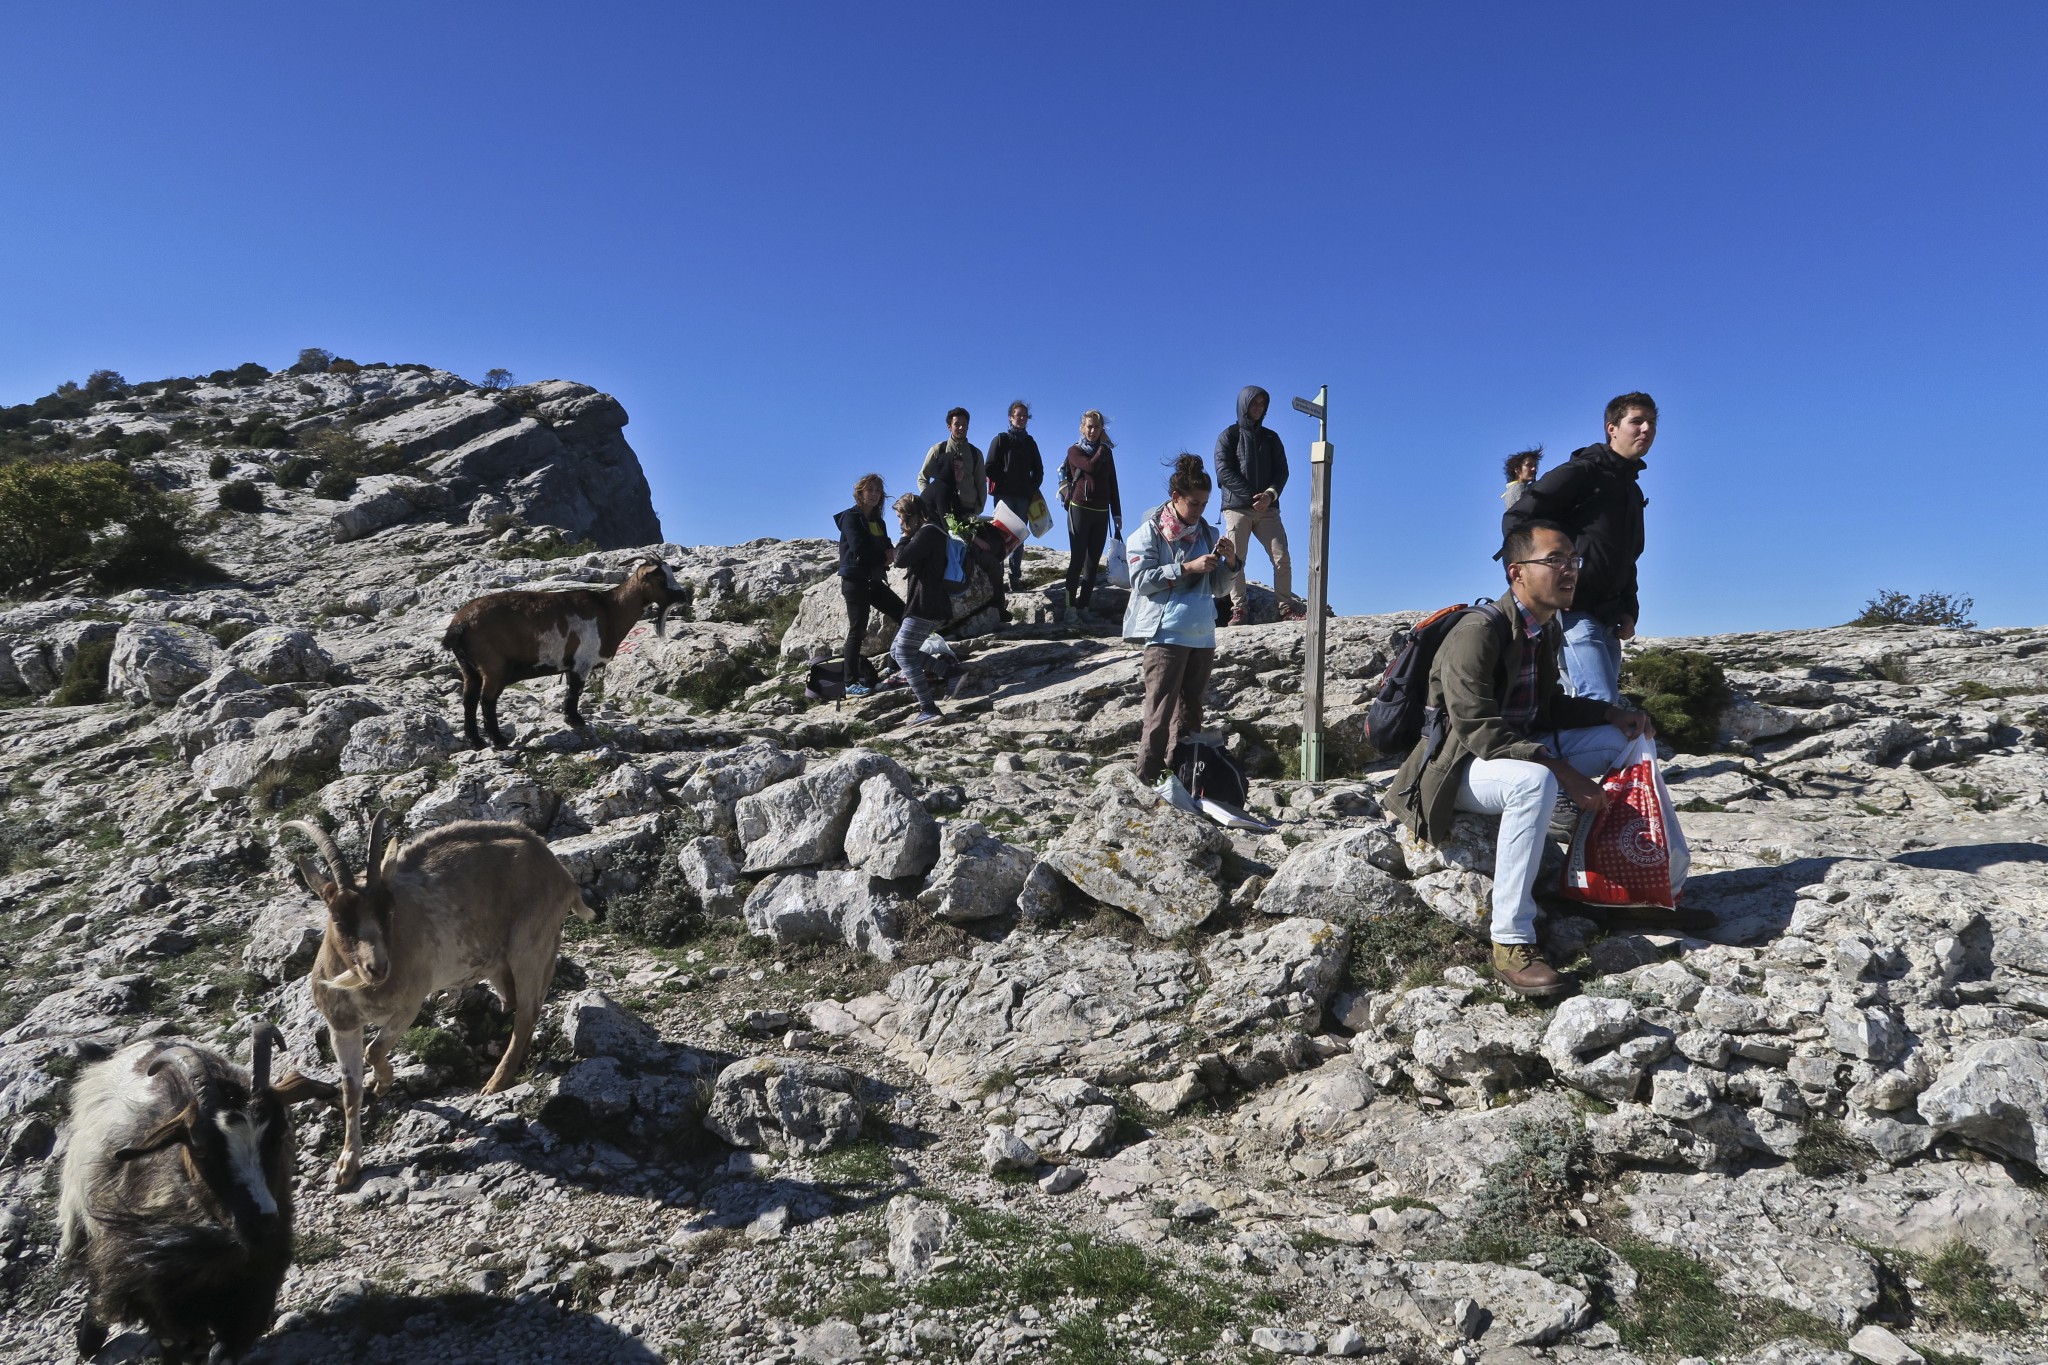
(1595, 496)
(1251, 464)
(1016, 475)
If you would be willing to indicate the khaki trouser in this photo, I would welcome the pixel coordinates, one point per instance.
(1176, 676)
(1241, 522)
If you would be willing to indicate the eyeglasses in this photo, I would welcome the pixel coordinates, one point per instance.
(1556, 563)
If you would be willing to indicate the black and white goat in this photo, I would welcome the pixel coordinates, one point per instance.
(176, 1203)
(478, 900)
(506, 637)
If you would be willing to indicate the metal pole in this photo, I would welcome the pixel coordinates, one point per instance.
(1318, 586)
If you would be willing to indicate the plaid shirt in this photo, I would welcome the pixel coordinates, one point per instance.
(1519, 710)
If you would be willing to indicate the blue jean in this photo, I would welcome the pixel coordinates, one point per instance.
(1523, 794)
(1592, 658)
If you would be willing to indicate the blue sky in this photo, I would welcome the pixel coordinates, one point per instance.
(788, 237)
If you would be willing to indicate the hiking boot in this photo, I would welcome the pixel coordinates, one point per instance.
(1293, 611)
(1240, 617)
(1521, 968)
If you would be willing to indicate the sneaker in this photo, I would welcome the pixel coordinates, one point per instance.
(1294, 611)
(1240, 617)
(1521, 968)
(1175, 793)
(924, 718)
(859, 690)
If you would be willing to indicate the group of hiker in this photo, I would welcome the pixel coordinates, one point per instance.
(1523, 710)
(975, 509)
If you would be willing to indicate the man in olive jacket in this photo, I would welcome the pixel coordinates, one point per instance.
(1505, 740)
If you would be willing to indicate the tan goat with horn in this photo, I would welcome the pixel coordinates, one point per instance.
(479, 900)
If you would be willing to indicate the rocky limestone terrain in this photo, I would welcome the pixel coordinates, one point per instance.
(955, 1044)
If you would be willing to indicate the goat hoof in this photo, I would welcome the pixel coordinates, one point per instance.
(347, 1167)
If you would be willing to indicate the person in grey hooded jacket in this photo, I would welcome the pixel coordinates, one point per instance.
(1251, 464)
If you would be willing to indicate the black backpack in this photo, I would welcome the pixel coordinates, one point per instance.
(827, 679)
(1209, 773)
(1396, 717)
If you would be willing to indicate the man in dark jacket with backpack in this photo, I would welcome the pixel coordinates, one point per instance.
(1596, 498)
(1251, 464)
(1505, 741)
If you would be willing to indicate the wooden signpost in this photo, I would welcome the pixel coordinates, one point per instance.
(1318, 585)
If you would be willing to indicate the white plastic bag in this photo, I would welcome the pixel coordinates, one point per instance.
(1117, 565)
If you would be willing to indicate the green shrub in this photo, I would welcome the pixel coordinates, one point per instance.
(85, 677)
(314, 360)
(1683, 690)
(718, 683)
(218, 467)
(774, 614)
(294, 472)
(49, 512)
(153, 547)
(142, 445)
(663, 910)
(1521, 1209)
(548, 544)
(335, 485)
(240, 495)
(1928, 609)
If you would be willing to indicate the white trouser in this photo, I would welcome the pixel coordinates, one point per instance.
(1523, 794)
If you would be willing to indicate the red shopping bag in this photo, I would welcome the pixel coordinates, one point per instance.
(1630, 851)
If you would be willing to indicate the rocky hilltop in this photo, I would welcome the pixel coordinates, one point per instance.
(956, 1044)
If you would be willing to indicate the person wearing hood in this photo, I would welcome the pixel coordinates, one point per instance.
(865, 553)
(954, 480)
(1179, 567)
(1016, 476)
(1088, 491)
(1251, 464)
(1596, 497)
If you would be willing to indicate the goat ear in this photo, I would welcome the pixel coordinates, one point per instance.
(389, 859)
(296, 1088)
(175, 1129)
(315, 876)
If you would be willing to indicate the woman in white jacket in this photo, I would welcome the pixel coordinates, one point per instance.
(1180, 565)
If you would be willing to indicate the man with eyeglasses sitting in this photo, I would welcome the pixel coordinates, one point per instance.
(1504, 739)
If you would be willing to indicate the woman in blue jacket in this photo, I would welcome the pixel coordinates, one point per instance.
(1180, 565)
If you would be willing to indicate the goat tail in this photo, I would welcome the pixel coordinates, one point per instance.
(583, 910)
(456, 641)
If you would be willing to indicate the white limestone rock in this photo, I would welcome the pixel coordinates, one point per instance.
(977, 877)
(155, 661)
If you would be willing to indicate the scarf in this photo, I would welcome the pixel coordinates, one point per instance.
(1172, 527)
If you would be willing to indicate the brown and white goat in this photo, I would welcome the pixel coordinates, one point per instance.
(478, 900)
(506, 637)
(176, 1203)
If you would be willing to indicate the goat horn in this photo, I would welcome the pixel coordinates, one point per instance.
(266, 1037)
(182, 1057)
(373, 857)
(322, 840)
